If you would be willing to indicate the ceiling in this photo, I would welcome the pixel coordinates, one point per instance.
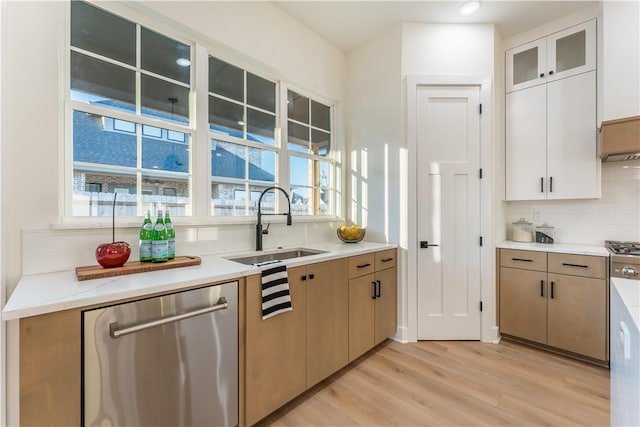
(348, 24)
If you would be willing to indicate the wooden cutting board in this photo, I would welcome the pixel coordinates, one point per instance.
(98, 272)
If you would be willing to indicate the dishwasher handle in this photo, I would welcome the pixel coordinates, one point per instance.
(116, 332)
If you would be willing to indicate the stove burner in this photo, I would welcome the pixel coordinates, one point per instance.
(624, 248)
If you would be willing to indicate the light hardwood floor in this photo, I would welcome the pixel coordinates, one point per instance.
(456, 384)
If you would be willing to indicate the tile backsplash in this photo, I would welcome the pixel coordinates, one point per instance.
(615, 216)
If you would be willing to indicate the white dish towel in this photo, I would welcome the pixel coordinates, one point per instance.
(276, 298)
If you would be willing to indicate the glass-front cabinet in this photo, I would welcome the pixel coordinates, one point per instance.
(559, 55)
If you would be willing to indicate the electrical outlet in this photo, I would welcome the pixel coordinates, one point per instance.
(536, 215)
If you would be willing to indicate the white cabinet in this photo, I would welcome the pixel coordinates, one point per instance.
(559, 55)
(551, 132)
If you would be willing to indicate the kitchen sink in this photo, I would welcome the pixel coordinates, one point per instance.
(279, 255)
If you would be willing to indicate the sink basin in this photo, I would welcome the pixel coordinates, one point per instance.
(280, 255)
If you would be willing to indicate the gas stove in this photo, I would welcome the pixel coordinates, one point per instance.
(625, 259)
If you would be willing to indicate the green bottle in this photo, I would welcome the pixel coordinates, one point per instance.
(171, 234)
(160, 244)
(146, 237)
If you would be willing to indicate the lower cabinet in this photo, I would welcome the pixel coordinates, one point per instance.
(559, 300)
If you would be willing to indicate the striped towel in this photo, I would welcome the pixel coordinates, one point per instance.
(276, 298)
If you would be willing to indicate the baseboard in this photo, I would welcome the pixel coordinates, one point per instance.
(402, 335)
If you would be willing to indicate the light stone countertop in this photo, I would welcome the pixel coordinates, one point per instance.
(629, 291)
(565, 248)
(46, 293)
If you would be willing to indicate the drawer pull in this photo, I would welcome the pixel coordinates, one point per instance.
(574, 265)
(364, 265)
(386, 259)
(521, 259)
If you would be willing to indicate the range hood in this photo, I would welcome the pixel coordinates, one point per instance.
(620, 139)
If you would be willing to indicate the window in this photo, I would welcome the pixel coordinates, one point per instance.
(133, 126)
(309, 135)
(123, 75)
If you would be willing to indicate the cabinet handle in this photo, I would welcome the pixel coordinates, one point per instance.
(364, 265)
(303, 278)
(550, 184)
(386, 259)
(521, 259)
(378, 290)
(311, 276)
(551, 72)
(541, 75)
(574, 265)
(541, 184)
(541, 288)
(373, 290)
(552, 283)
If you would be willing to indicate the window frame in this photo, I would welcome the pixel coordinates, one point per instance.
(197, 129)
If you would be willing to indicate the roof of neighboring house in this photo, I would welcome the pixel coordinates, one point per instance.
(92, 143)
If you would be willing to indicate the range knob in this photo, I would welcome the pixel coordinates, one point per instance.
(629, 272)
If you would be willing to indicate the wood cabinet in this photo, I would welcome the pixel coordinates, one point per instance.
(559, 300)
(550, 121)
(372, 300)
(327, 319)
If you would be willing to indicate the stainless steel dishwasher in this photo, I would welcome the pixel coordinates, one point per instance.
(164, 361)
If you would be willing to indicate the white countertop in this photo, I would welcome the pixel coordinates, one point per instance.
(46, 293)
(565, 248)
(629, 291)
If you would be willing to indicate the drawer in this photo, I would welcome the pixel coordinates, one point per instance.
(527, 260)
(361, 265)
(578, 265)
(385, 259)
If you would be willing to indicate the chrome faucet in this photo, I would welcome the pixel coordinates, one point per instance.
(259, 230)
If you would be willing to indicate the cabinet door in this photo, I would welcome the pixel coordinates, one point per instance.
(571, 51)
(523, 304)
(526, 144)
(573, 166)
(577, 315)
(361, 314)
(276, 350)
(386, 305)
(327, 319)
(526, 65)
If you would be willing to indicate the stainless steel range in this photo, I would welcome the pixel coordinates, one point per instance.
(625, 259)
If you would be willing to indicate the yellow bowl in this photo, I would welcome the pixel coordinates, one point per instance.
(345, 239)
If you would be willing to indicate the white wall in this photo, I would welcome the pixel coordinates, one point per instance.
(257, 33)
(621, 59)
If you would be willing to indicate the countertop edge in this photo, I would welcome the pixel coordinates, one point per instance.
(565, 248)
(28, 299)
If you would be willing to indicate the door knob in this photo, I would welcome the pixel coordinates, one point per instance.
(424, 244)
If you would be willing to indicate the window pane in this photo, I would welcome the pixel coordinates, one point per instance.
(164, 100)
(151, 131)
(320, 142)
(298, 137)
(158, 193)
(160, 54)
(262, 165)
(232, 199)
(300, 171)
(96, 141)
(228, 160)
(89, 202)
(226, 79)
(320, 116)
(301, 200)
(324, 181)
(261, 93)
(95, 77)
(226, 117)
(261, 127)
(298, 107)
(166, 155)
(100, 32)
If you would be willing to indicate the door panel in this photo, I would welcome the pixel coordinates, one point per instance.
(523, 304)
(361, 314)
(386, 305)
(448, 138)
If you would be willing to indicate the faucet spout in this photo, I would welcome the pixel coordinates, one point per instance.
(259, 230)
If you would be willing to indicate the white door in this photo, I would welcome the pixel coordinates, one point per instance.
(448, 204)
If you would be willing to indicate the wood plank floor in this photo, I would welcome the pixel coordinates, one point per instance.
(449, 383)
